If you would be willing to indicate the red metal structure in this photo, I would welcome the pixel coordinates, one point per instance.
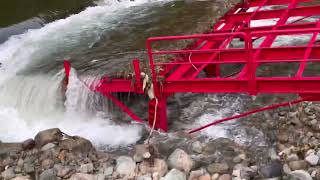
(233, 41)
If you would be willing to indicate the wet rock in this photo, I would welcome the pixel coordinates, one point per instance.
(159, 166)
(312, 159)
(218, 168)
(298, 165)
(225, 177)
(8, 173)
(82, 176)
(47, 136)
(299, 175)
(180, 160)
(275, 169)
(197, 147)
(175, 174)
(28, 144)
(77, 144)
(48, 146)
(49, 174)
(125, 166)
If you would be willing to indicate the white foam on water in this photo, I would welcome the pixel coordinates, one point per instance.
(30, 103)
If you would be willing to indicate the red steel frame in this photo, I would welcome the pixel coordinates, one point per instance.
(210, 52)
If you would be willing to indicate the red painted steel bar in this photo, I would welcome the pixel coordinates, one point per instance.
(199, 67)
(248, 113)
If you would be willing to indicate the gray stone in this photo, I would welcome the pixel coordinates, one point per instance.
(100, 177)
(312, 159)
(49, 174)
(86, 168)
(125, 167)
(293, 157)
(298, 165)
(180, 160)
(272, 170)
(108, 171)
(48, 146)
(299, 175)
(20, 162)
(8, 173)
(175, 174)
(197, 147)
(145, 177)
(286, 169)
(47, 136)
(28, 167)
(82, 176)
(218, 168)
(21, 178)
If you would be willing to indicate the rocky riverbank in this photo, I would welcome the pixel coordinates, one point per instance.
(291, 152)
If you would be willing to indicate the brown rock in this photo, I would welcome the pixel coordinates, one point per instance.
(47, 163)
(218, 168)
(298, 165)
(205, 177)
(47, 136)
(283, 137)
(77, 144)
(28, 144)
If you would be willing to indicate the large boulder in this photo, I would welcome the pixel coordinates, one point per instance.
(47, 136)
(160, 166)
(77, 144)
(125, 167)
(175, 174)
(180, 160)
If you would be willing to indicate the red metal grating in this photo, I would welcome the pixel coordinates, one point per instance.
(235, 41)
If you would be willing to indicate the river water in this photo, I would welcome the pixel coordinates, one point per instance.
(99, 39)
